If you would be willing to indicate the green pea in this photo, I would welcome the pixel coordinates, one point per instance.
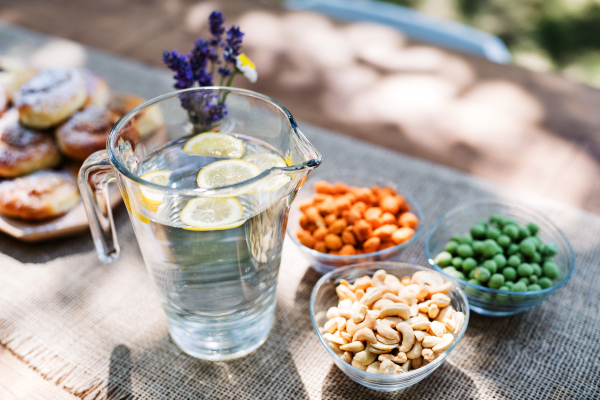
(533, 287)
(496, 280)
(537, 270)
(464, 250)
(474, 282)
(477, 246)
(455, 238)
(465, 239)
(443, 259)
(545, 283)
(493, 233)
(478, 230)
(527, 247)
(456, 262)
(510, 274)
(550, 269)
(524, 280)
(549, 249)
(513, 248)
(449, 270)
(510, 221)
(523, 232)
(525, 270)
(496, 218)
(454, 273)
(489, 248)
(536, 258)
(472, 274)
(537, 241)
(505, 288)
(533, 279)
(491, 266)
(514, 260)
(511, 230)
(451, 247)
(503, 240)
(500, 260)
(519, 287)
(482, 274)
(508, 284)
(468, 264)
(533, 228)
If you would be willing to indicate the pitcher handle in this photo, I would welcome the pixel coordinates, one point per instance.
(94, 176)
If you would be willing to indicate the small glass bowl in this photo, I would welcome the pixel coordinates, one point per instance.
(324, 296)
(323, 262)
(493, 302)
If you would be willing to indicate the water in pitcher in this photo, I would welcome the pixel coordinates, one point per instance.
(216, 280)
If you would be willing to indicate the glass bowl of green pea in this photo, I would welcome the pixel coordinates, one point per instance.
(506, 257)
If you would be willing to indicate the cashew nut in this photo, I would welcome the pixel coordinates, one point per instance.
(419, 323)
(359, 313)
(428, 355)
(398, 359)
(459, 318)
(336, 349)
(358, 365)
(365, 357)
(393, 321)
(386, 331)
(345, 312)
(437, 328)
(347, 357)
(344, 293)
(383, 347)
(393, 284)
(359, 294)
(362, 283)
(371, 297)
(415, 351)
(394, 298)
(364, 335)
(332, 313)
(369, 322)
(379, 278)
(345, 303)
(346, 336)
(414, 310)
(441, 300)
(377, 351)
(445, 313)
(408, 336)
(448, 338)
(406, 366)
(419, 336)
(405, 280)
(443, 288)
(428, 278)
(387, 367)
(334, 338)
(374, 368)
(396, 310)
(424, 306)
(382, 303)
(354, 347)
(385, 340)
(433, 311)
(429, 341)
(407, 294)
(335, 324)
(417, 362)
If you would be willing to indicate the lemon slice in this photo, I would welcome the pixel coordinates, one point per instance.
(209, 214)
(214, 144)
(265, 161)
(153, 198)
(225, 173)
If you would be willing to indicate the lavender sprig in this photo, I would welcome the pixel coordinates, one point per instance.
(179, 64)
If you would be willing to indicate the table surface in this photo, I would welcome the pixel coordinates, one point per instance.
(533, 131)
(23, 375)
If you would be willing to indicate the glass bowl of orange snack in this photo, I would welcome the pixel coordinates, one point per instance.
(341, 218)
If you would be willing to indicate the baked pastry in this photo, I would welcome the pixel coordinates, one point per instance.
(85, 132)
(146, 122)
(41, 195)
(23, 151)
(97, 89)
(13, 73)
(50, 97)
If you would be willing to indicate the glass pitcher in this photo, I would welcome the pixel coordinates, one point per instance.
(215, 267)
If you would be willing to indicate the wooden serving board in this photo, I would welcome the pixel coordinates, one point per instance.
(75, 221)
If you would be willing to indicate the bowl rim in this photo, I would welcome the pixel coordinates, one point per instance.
(359, 257)
(502, 202)
(382, 265)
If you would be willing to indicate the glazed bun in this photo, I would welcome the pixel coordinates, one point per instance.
(98, 93)
(50, 97)
(42, 195)
(85, 132)
(146, 122)
(13, 73)
(23, 151)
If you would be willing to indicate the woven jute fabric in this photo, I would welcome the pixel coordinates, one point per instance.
(98, 330)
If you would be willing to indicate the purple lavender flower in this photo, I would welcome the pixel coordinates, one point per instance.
(215, 22)
(203, 108)
(233, 44)
(181, 66)
(224, 72)
(199, 58)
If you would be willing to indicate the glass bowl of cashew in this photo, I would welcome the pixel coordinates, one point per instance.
(388, 325)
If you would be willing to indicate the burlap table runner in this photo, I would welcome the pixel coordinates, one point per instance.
(98, 330)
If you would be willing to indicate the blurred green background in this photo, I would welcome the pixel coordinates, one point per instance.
(545, 35)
